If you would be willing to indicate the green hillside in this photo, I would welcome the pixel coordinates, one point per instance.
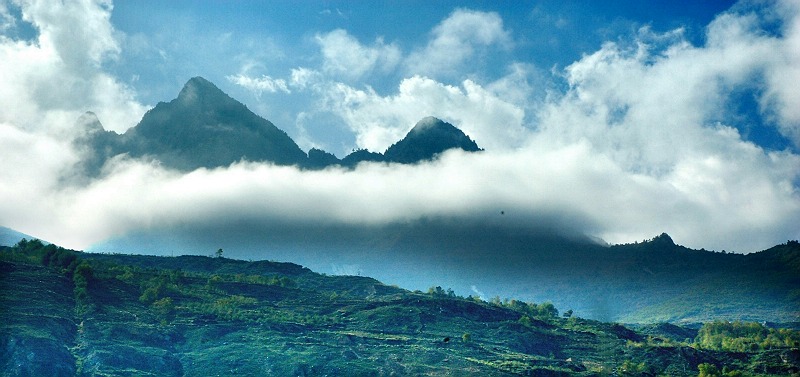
(69, 313)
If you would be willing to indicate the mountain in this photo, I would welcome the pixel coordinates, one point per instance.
(361, 155)
(204, 127)
(10, 237)
(426, 140)
(651, 281)
(429, 137)
(68, 313)
(96, 144)
(319, 159)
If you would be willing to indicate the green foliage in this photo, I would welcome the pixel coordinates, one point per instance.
(126, 275)
(152, 290)
(744, 337)
(163, 307)
(439, 291)
(81, 277)
(289, 321)
(630, 368)
(708, 370)
(711, 370)
(541, 311)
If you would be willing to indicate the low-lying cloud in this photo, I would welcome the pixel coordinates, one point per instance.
(633, 146)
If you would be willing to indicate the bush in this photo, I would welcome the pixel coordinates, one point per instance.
(80, 277)
(744, 337)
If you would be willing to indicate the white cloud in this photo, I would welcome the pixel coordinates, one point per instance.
(456, 40)
(302, 77)
(31, 169)
(260, 85)
(7, 21)
(48, 82)
(651, 107)
(651, 111)
(344, 56)
(378, 121)
(782, 94)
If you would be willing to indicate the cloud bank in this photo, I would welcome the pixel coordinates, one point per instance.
(627, 143)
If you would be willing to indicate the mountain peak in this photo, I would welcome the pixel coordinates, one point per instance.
(198, 89)
(88, 123)
(204, 127)
(664, 239)
(429, 137)
(429, 123)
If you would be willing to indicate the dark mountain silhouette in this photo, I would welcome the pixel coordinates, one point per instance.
(319, 159)
(652, 281)
(361, 155)
(95, 143)
(429, 137)
(204, 127)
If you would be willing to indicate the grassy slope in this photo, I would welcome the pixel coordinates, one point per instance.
(38, 323)
(216, 316)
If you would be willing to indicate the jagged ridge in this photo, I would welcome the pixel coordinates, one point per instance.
(204, 127)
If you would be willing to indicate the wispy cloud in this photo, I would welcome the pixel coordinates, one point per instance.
(457, 40)
(261, 84)
(345, 57)
(378, 121)
(49, 81)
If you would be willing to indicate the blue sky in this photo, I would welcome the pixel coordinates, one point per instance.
(616, 119)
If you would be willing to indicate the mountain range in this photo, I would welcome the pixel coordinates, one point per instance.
(655, 280)
(204, 127)
(645, 282)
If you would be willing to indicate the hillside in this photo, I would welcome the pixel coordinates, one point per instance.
(649, 281)
(68, 313)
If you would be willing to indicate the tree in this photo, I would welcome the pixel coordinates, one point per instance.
(547, 310)
(218, 253)
(81, 277)
(437, 291)
(707, 370)
(163, 306)
(568, 313)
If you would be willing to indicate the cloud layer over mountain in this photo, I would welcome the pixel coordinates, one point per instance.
(636, 138)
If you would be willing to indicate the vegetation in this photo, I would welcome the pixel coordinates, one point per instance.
(745, 337)
(72, 313)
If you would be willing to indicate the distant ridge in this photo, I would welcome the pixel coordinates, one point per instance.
(10, 237)
(204, 127)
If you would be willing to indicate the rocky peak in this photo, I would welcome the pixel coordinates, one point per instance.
(429, 137)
